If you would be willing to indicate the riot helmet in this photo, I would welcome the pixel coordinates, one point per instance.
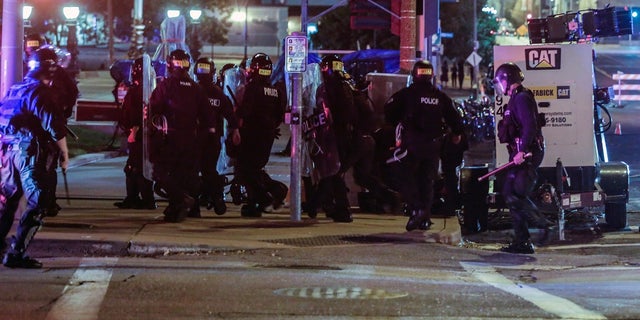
(422, 72)
(506, 75)
(178, 60)
(331, 64)
(260, 67)
(42, 64)
(205, 69)
(136, 71)
(33, 42)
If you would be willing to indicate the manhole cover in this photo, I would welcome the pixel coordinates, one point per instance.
(355, 293)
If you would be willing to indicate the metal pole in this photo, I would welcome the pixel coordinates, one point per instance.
(137, 40)
(12, 32)
(72, 47)
(476, 69)
(246, 27)
(110, 43)
(295, 197)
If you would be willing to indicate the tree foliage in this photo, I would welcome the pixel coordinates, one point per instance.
(455, 17)
(458, 19)
(212, 28)
(334, 33)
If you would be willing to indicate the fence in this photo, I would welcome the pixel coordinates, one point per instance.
(633, 95)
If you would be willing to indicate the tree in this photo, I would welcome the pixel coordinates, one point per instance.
(337, 23)
(212, 28)
(458, 17)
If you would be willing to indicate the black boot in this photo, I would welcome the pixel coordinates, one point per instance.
(128, 203)
(341, 215)
(523, 248)
(425, 225)
(219, 206)
(250, 210)
(16, 257)
(418, 217)
(14, 260)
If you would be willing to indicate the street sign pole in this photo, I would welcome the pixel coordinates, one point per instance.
(296, 51)
(474, 60)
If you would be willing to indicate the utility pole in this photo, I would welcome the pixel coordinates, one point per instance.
(110, 30)
(407, 35)
(296, 77)
(137, 39)
(476, 45)
(12, 35)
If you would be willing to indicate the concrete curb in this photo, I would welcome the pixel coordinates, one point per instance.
(91, 157)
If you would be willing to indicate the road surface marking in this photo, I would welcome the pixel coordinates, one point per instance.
(82, 297)
(561, 307)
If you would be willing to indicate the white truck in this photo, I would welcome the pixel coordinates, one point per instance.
(576, 175)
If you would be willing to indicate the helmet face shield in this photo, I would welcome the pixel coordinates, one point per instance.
(422, 71)
(506, 75)
(43, 63)
(203, 68)
(500, 86)
(178, 60)
(260, 66)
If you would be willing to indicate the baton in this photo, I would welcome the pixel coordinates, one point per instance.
(233, 96)
(71, 133)
(502, 168)
(66, 184)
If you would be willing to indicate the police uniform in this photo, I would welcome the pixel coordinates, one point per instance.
(212, 193)
(422, 110)
(520, 130)
(32, 128)
(336, 95)
(65, 94)
(260, 113)
(180, 101)
(139, 189)
(330, 190)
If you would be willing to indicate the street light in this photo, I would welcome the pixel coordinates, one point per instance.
(240, 16)
(26, 13)
(173, 13)
(195, 15)
(71, 14)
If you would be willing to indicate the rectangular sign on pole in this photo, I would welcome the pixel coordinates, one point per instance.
(296, 54)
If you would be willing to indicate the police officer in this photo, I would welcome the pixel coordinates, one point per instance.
(139, 189)
(180, 103)
(31, 127)
(65, 94)
(354, 125)
(335, 94)
(260, 113)
(212, 193)
(520, 130)
(422, 110)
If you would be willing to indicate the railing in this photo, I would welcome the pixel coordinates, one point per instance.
(618, 89)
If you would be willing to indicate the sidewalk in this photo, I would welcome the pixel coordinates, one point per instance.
(100, 228)
(91, 221)
(91, 225)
